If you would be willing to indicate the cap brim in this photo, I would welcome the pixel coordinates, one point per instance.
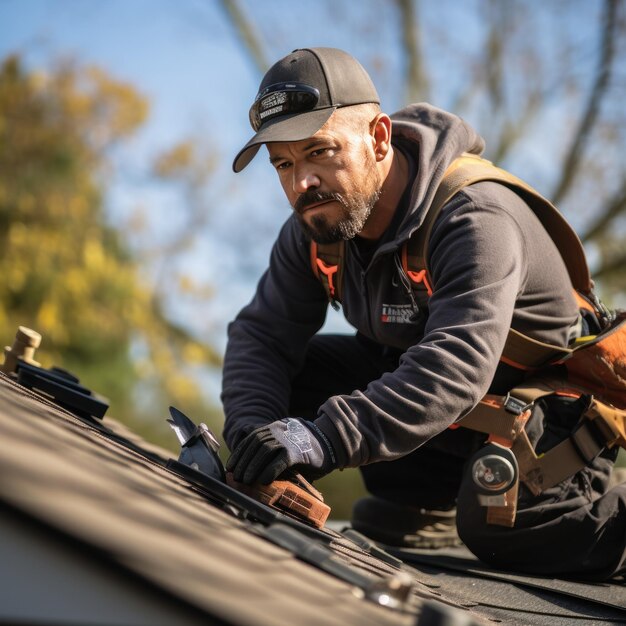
(287, 128)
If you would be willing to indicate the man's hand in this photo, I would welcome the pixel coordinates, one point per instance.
(268, 451)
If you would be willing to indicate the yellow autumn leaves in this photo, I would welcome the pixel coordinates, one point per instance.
(64, 270)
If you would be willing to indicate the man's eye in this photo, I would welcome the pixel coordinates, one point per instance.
(319, 151)
(282, 166)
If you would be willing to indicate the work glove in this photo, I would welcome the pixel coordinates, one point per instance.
(288, 443)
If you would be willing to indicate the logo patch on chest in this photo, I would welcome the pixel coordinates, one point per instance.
(396, 314)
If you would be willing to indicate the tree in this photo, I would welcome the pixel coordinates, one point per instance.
(66, 271)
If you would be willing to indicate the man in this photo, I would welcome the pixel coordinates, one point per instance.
(384, 399)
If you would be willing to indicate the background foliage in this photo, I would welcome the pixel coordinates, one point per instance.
(66, 271)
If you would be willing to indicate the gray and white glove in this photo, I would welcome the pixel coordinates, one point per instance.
(264, 454)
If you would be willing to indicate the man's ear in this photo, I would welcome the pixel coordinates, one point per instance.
(380, 129)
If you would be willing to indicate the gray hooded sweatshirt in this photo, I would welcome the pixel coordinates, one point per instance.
(492, 267)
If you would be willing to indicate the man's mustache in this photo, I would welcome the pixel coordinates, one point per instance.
(312, 197)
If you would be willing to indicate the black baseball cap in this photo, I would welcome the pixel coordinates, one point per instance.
(300, 92)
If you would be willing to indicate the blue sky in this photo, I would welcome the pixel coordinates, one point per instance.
(182, 56)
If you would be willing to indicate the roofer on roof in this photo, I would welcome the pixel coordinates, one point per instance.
(384, 399)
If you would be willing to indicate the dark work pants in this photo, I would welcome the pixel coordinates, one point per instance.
(576, 528)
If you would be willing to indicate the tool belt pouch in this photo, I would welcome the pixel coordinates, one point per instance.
(598, 364)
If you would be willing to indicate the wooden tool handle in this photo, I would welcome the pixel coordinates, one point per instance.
(301, 501)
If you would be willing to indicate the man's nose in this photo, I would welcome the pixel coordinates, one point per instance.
(304, 179)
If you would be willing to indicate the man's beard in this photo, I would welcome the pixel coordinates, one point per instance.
(354, 213)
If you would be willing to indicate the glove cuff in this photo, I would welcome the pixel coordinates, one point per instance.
(328, 437)
(324, 442)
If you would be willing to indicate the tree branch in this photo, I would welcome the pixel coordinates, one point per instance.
(417, 82)
(494, 53)
(616, 205)
(611, 267)
(592, 111)
(248, 35)
(512, 130)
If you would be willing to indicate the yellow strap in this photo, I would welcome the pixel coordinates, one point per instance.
(610, 423)
(491, 417)
(539, 473)
(524, 352)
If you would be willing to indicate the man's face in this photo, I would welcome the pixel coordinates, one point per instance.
(330, 179)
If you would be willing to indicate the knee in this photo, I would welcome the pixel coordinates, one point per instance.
(491, 543)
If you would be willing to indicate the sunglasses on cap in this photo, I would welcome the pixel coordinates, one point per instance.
(282, 99)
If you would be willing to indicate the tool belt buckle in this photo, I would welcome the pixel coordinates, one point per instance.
(514, 405)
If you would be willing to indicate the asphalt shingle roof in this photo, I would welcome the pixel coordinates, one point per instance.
(97, 491)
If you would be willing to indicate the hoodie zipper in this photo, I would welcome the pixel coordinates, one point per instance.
(406, 283)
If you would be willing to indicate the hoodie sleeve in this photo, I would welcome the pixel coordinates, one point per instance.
(478, 260)
(267, 340)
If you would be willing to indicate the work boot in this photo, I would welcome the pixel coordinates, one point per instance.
(404, 526)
